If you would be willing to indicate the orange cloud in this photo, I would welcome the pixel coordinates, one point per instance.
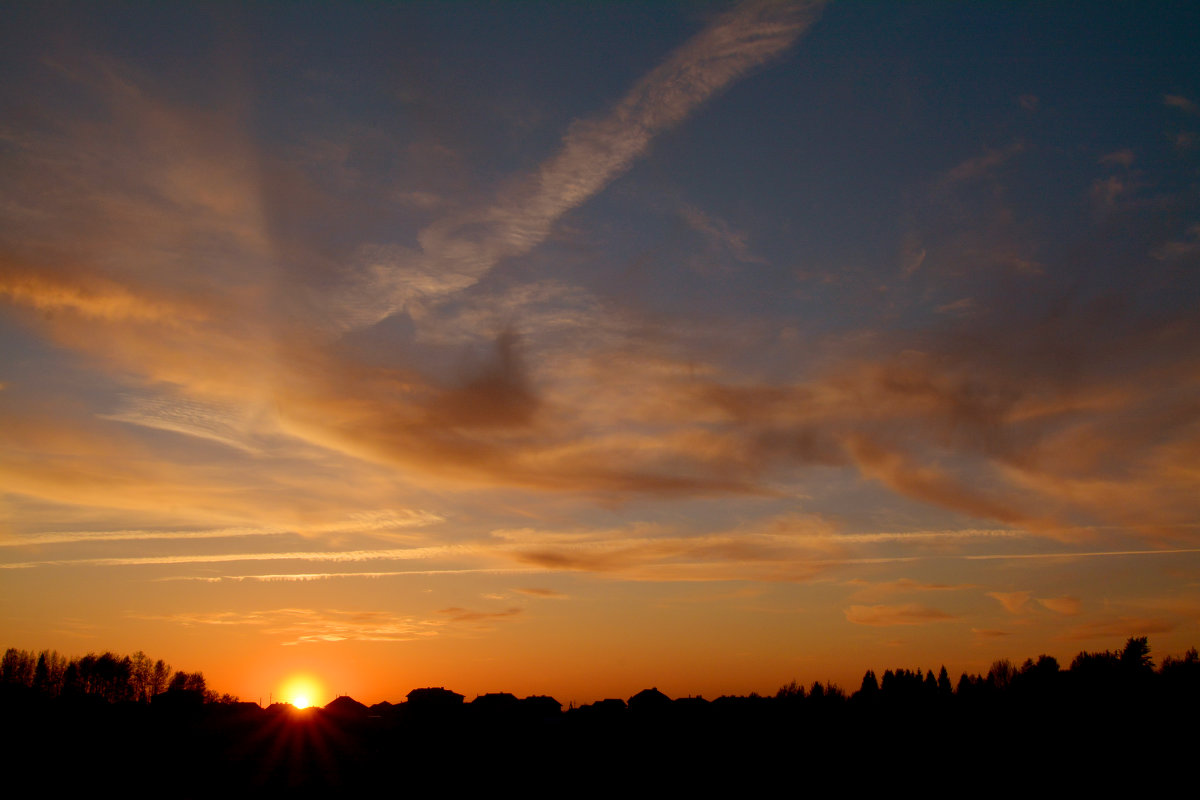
(304, 625)
(1013, 602)
(465, 615)
(162, 270)
(901, 586)
(885, 616)
(534, 591)
(990, 633)
(92, 297)
(1069, 606)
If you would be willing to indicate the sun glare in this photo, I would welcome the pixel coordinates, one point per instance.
(302, 691)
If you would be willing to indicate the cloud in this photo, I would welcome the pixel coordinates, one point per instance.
(1013, 602)
(886, 616)
(456, 251)
(218, 422)
(1106, 191)
(912, 256)
(458, 615)
(719, 234)
(1124, 158)
(1046, 414)
(306, 626)
(870, 591)
(534, 591)
(342, 556)
(990, 633)
(980, 166)
(897, 471)
(1070, 606)
(498, 395)
(1180, 102)
(358, 522)
(1177, 249)
(961, 306)
(771, 552)
(303, 577)
(92, 297)
(1081, 554)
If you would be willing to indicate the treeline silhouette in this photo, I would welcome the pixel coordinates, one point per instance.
(107, 677)
(1035, 722)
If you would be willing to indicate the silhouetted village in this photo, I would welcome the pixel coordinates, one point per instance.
(107, 719)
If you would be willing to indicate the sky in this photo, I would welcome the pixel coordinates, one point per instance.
(574, 348)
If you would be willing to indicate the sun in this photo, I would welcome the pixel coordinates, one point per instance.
(301, 691)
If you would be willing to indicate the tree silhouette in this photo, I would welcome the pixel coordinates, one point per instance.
(943, 682)
(1135, 658)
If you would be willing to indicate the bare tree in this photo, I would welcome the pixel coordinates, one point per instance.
(17, 667)
(158, 677)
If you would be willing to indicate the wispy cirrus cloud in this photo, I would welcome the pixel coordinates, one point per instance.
(982, 165)
(341, 556)
(294, 626)
(1069, 606)
(990, 633)
(868, 590)
(455, 251)
(304, 577)
(890, 615)
(480, 618)
(538, 591)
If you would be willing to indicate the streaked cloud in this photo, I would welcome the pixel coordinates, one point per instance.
(364, 521)
(719, 234)
(393, 554)
(990, 633)
(535, 591)
(887, 616)
(92, 297)
(456, 251)
(963, 305)
(480, 618)
(979, 166)
(869, 591)
(294, 626)
(303, 577)
(1070, 606)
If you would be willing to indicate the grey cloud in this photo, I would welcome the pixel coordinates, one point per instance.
(456, 251)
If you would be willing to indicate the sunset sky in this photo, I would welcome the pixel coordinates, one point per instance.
(576, 348)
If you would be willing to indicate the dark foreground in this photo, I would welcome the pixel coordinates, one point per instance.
(1011, 739)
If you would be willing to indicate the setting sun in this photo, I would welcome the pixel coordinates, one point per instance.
(301, 691)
